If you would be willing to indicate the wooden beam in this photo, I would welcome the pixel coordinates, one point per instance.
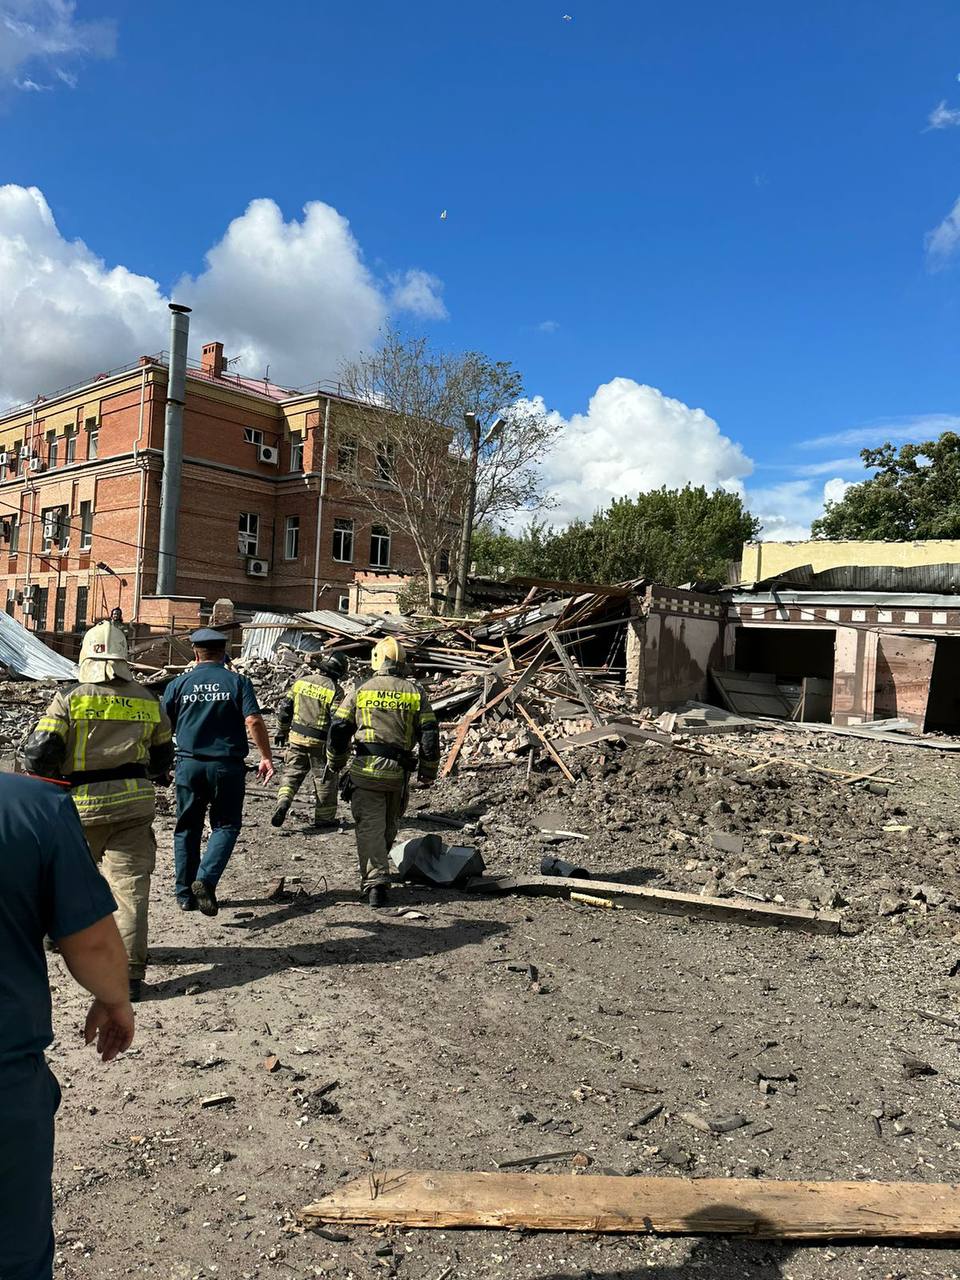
(574, 677)
(669, 1206)
(664, 902)
(535, 728)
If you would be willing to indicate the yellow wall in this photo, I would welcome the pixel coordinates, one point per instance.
(764, 559)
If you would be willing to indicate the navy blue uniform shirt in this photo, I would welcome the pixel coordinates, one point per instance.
(48, 885)
(207, 708)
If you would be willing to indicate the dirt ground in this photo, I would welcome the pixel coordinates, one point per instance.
(423, 1042)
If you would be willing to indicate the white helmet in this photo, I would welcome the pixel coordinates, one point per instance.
(104, 643)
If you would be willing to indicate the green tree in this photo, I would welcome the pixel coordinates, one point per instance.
(915, 493)
(671, 535)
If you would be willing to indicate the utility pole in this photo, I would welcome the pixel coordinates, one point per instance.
(469, 510)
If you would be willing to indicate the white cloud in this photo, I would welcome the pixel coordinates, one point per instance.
(292, 294)
(419, 293)
(925, 426)
(45, 34)
(943, 117)
(634, 438)
(787, 510)
(548, 326)
(942, 241)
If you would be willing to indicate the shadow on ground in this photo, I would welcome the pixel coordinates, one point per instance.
(373, 940)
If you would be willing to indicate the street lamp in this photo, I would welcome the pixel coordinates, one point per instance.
(478, 441)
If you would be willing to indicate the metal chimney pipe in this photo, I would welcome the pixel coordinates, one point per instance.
(173, 450)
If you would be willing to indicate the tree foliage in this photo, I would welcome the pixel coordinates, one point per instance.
(671, 535)
(915, 493)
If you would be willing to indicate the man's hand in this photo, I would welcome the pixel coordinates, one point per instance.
(112, 1026)
(265, 770)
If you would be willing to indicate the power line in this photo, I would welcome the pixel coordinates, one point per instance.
(72, 523)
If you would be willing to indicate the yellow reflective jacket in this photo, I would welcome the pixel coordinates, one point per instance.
(394, 729)
(305, 712)
(106, 740)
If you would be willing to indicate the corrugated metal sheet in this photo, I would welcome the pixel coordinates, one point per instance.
(944, 579)
(884, 600)
(22, 653)
(259, 640)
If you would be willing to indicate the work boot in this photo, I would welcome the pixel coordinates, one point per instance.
(324, 824)
(280, 813)
(188, 904)
(136, 990)
(206, 898)
(377, 896)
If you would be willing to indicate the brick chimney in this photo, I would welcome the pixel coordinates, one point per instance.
(211, 359)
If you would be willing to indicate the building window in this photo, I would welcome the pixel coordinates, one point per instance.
(347, 450)
(14, 535)
(56, 528)
(343, 604)
(40, 609)
(21, 459)
(380, 547)
(53, 449)
(93, 442)
(296, 453)
(443, 562)
(249, 533)
(291, 539)
(11, 600)
(86, 526)
(15, 456)
(60, 611)
(386, 459)
(343, 541)
(71, 440)
(81, 622)
(253, 435)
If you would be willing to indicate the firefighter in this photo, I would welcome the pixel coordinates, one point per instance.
(108, 737)
(390, 716)
(303, 719)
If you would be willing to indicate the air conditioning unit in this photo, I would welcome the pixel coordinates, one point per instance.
(257, 568)
(24, 451)
(27, 608)
(30, 592)
(36, 464)
(4, 459)
(268, 453)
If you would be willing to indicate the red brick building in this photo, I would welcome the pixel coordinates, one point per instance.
(268, 516)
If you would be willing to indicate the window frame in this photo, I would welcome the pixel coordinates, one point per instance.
(71, 448)
(253, 435)
(61, 513)
(342, 531)
(380, 533)
(80, 615)
(248, 534)
(86, 525)
(60, 610)
(40, 608)
(53, 453)
(296, 453)
(385, 471)
(291, 526)
(14, 547)
(347, 447)
(93, 443)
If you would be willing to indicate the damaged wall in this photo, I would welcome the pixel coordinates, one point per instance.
(673, 639)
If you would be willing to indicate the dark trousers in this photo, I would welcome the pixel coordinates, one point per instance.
(29, 1097)
(217, 786)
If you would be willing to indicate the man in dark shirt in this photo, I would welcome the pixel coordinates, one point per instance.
(212, 710)
(48, 886)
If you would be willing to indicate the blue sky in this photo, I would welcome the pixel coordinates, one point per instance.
(736, 206)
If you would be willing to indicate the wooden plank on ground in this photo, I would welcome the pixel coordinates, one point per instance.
(669, 1206)
(535, 728)
(664, 902)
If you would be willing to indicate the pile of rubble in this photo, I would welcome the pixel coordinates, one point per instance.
(22, 702)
